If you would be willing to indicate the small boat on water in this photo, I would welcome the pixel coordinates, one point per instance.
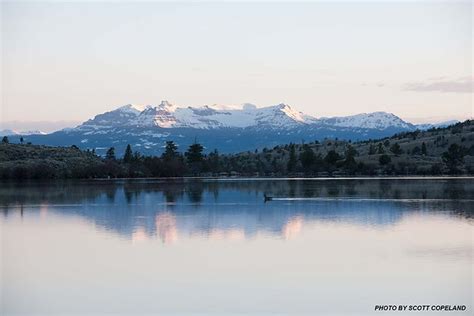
(267, 198)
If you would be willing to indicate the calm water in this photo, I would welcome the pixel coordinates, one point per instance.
(214, 247)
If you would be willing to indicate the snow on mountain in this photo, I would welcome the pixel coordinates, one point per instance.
(118, 117)
(375, 120)
(133, 108)
(9, 132)
(436, 125)
(34, 132)
(281, 116)
(278, 116)
(223, 127)
(209, 117)
(161, 116)
(167, 115)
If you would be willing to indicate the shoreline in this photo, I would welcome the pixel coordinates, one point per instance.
(237, 179)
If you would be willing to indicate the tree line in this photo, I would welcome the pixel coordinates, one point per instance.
(326, 158)
(286, 160)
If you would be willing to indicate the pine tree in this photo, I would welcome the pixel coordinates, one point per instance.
(416, 150)
(292, 160)
(214, 161)
(380, 149)
(395, 148)
(171, 151)
(128, 156)
(21, 140)
(423, 149)
(307, 158)
(110, 154)
(372, 149)
(384, 159)
(194, 153)
(454, 157)
(332, 157)
(5, 140)
(350, 154)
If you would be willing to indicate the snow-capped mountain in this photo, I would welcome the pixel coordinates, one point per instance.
(117, 117)
(375, 120)
(436, 125)
(222, 127)
(166, 115)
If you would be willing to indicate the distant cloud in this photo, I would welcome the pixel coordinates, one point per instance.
(441, 84)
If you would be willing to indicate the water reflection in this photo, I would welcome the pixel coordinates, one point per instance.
(170, 210)
(209, 247)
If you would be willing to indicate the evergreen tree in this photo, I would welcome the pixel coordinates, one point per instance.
(454, 157)
(350, 154)
(292, 160)
(423, 149)
(384, 159)
(110, 154)
(395, 148)
(128, 156)
(307, 158)
(416, 150)
(214, 161)
(372, 149)
(5, 140)
(171, 151)
(332, 157)
(21, 140)
(380, 149)
(194, 153)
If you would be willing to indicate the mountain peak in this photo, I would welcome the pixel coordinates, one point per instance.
(282, 105)
(248, 115)
(374, 120)
(165, 104)
(132, 108)
(225, 127)
(249, 107)
(292, 113)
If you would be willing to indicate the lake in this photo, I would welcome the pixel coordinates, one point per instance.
(206, 246)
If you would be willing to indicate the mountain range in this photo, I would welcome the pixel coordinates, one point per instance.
(225, 128)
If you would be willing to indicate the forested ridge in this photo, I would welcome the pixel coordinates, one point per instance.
(438, 151)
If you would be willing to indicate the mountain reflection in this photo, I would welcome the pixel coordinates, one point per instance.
(170, 210)
(166, 227)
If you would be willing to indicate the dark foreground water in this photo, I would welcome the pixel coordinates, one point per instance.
(205, 247)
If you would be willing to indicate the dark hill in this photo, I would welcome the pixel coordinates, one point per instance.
(438, 151)
(21, 161)
(448, 150)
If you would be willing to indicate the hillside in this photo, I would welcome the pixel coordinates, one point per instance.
(437, 151)
(417, 152)
(19, 161)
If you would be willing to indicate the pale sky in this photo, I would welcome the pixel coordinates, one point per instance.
(69, 61)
